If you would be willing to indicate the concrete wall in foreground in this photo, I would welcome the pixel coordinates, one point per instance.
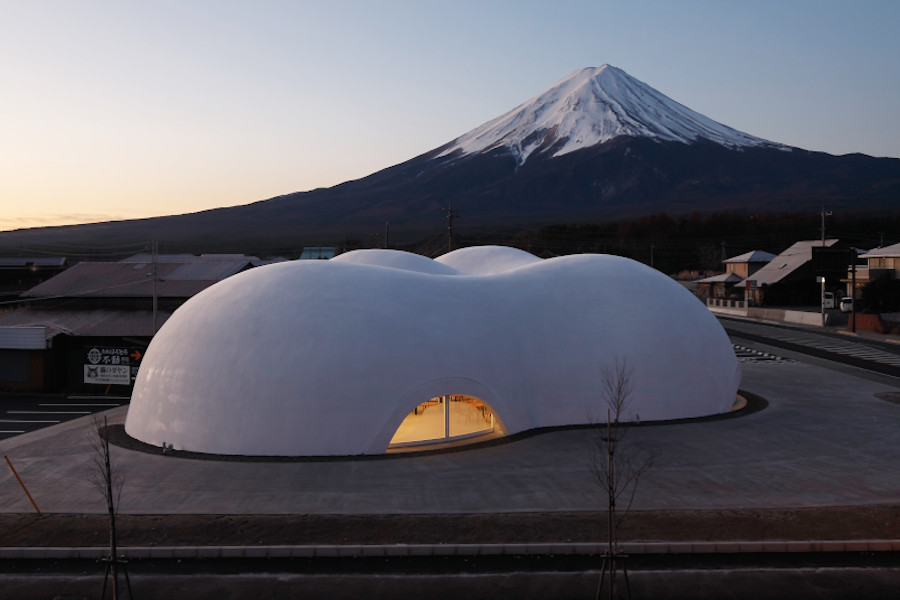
(739, 309)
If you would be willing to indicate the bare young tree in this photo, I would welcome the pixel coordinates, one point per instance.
(617, 467)
(110, 485)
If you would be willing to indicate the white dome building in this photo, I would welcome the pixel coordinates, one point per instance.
(379, 348)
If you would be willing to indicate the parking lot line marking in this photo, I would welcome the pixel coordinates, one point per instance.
(25, 421)
(48, 412)
(80, 404)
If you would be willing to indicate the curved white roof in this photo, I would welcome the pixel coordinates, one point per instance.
(487, 260)
(395, 259)
(328, 357)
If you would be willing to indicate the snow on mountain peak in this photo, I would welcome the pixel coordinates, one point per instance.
(592, 106)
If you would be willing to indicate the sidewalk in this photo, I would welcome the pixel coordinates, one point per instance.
(836, 322)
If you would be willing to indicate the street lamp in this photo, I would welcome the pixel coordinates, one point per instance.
(821, 280)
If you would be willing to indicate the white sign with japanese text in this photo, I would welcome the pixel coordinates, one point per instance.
(107, 374)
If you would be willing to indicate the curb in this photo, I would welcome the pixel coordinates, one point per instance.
(436, 550)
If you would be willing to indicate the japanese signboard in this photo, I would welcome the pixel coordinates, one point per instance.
(107, 374)
(108, 366)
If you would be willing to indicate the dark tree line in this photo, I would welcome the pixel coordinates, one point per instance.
(696, 241)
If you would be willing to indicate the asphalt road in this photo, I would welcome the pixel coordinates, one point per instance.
(836, 346)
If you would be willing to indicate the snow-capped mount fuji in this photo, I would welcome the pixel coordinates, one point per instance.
(598, 146)
(593, 106)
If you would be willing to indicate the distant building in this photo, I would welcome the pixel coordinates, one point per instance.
(97, 318)
(20, 273)
(872, 265)
(881, 262)
(789, 279)
(737, 269)
(858, 273)
(318, 253)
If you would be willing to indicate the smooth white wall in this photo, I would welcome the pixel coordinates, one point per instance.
(328, 357)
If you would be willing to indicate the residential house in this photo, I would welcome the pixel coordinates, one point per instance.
(790, 279)
(737, 269)
(880, 262)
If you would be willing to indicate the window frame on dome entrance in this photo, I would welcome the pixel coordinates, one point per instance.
(447, 418)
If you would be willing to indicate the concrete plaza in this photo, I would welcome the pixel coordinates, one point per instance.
(824, 439)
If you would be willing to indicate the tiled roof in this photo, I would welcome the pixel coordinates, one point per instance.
(755, 256)
(146, 257)
(101, 322)
(723, 278)
(20, 262)
(788, 261)
(135, 279)
(886, 251)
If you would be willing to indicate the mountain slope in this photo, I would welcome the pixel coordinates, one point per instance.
(598, 146)
(593, 106)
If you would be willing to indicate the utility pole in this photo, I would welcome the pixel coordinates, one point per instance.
(380, 240)
(450, 216)
(853, 257)
(153, 250)
(824, 214)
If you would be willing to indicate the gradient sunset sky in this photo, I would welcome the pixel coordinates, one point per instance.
(114, 110)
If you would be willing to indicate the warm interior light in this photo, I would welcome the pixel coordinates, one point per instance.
(446, 418)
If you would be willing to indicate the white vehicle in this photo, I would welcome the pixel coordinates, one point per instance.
(828, 300)
(846, 304)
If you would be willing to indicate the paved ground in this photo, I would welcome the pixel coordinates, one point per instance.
(872, 348)
(22, 413)
(825, 439)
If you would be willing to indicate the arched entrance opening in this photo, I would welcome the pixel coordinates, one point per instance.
(450, 419)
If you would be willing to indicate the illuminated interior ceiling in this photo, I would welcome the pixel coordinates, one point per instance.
(445, 419)
(328, 357)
